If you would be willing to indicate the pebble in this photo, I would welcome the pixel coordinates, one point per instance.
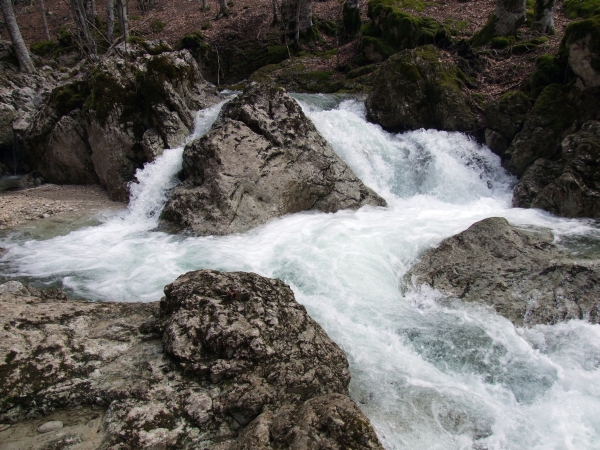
(50, 426)
(4, 426)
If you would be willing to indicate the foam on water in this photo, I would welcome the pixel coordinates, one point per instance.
(429, 372)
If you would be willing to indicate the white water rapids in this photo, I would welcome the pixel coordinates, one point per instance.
(429, 374)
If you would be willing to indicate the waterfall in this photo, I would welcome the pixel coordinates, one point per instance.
(428, 373)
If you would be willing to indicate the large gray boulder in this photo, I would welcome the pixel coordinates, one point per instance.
(569, 187)
(263, 158)
(113, 116)
(521, 275)
(415, 89)
(225, 361)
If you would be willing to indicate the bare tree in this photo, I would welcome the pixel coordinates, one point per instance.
(44, 21)
(78, 8)
(110, 21)
(25, 63)
(205, 5)
(222, 10)
(506, 19)
(122, 14)
(543, 16)
(276, 12)
(296, 16)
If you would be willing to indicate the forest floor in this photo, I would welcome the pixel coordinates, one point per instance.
(252, 19)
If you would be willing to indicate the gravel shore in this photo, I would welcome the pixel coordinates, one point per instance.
(50, 200)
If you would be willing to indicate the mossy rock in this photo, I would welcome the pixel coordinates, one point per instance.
(502, 42)
(414, 89)
(351, 19)
(505, 117)
(69, 97)
(549, 69)
(581, 8)
(393, 30)
(580, 47)
(43, 48)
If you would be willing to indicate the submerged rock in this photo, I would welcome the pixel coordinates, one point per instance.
(226, 361)
(415, 89)
(521, 275)
(263, 158)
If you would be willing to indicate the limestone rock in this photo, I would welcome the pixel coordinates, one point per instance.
(225, 361)
(521, 275)
(47, 427)
(415, 89)
(580, 47)
(262, 159)
(114, 115)
(571, 187)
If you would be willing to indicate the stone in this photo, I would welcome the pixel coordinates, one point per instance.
(47, 427)
(263, 158)
(4, 427)
(571, 187)
(580, 47)
(520, 274)
(414, 89)
(112, 116)
(505, 117)
(225, 360)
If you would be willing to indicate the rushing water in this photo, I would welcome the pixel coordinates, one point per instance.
(430, 374)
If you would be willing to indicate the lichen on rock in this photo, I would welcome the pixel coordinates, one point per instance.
(263, 158)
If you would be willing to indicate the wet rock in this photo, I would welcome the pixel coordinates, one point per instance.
(226, 360)
(111, 117)
(47, 427)
(505, 118)
(262, 159)
(415, 89)
(570, 187)
(521, 275)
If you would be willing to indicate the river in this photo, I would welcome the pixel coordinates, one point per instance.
(430, 373)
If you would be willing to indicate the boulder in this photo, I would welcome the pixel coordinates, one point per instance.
(263, 158)
(505, 117)
(415, 89)
(581, 47)
(571, 187)
(521, 275)
(121, 113)
(225, 361)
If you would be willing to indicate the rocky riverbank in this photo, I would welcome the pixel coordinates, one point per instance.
(224, 361)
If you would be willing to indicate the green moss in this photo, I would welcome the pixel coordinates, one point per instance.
(581, 8)
(399, 30)
(277, 53)
(157, 25)
(550, 108)
(328, 27)
(581, 30)
(486, 34)
(65, 37)
(43, 48)
(136, 40)
(69, 97)
(361, 71)
(502, 42)
(206, 26)
(194, 42)
(548, 70)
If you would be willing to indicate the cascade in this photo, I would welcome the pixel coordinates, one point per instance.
(427, 372)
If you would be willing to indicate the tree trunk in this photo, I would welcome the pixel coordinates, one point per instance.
(25, 63)
(351, 15)
(78, 8)
(296, 16)
(543, 16)
(90, 11)
(506, 19)
(276, 12)
(123, 19)
(223, 11)
(44, 21)
(110, 21)
(205, 6)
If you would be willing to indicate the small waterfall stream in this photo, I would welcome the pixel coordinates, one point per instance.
(428, 374)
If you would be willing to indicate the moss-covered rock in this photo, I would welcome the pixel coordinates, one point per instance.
(505, 20)
(43, 48)
(351, 18)
(414, 89)
(393, 30)
(581, 48)
(581, 8)
(505, 118)
(549, 69)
